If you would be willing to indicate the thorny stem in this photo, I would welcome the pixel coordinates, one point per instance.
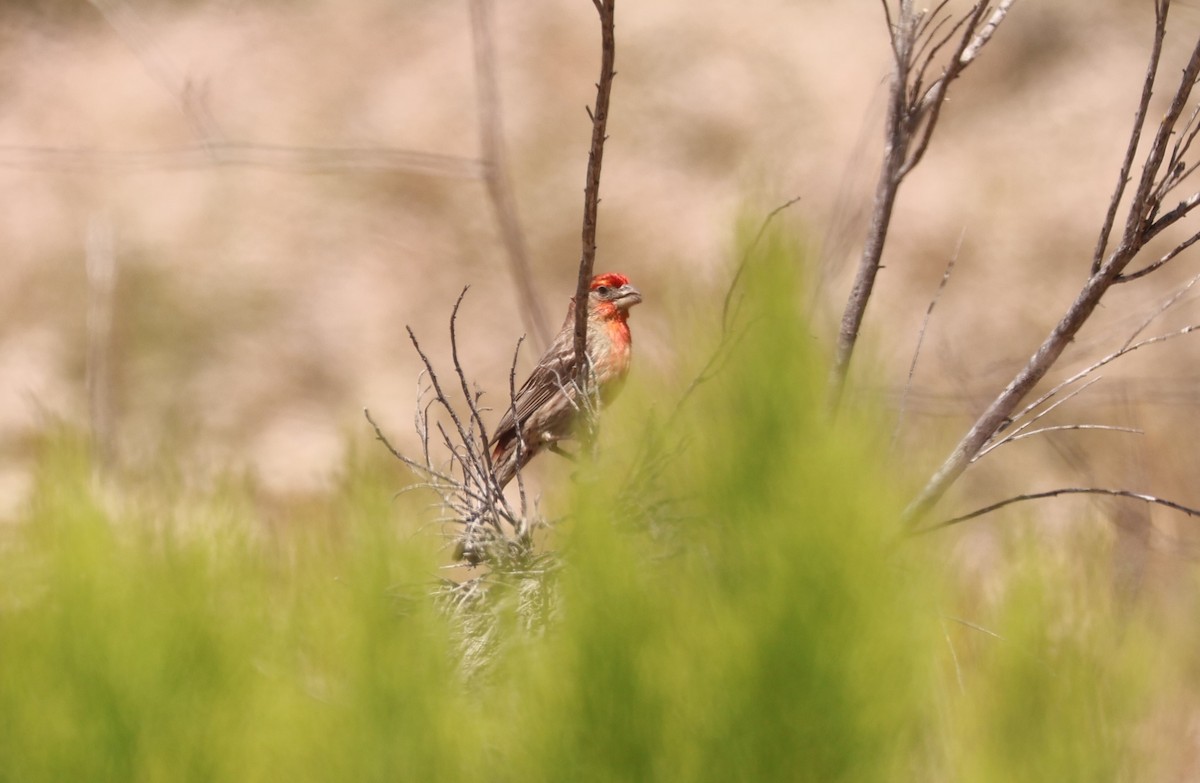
(591, 200)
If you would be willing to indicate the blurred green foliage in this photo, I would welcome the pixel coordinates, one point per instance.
(734, 606)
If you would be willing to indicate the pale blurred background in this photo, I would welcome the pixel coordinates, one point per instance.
(260, 305)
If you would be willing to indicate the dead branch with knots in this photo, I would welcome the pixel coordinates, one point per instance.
(917, 92)
(1148, 212)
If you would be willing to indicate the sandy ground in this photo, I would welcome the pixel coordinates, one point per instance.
(260, 305)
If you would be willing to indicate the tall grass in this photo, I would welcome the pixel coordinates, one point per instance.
(733, 606)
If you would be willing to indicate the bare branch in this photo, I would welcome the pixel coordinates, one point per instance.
(1016, 431)
(891, 26)
(931, 21)
(1167, 304)
(913, 113)
(1139, 122)
(1122, 493)
(1141, 210)
(484, 455)
(1138, 228)
(488, 528)
(520, 442)
(1180, 211)
(463, 433)
(929, 49)
(495, 172)
(1166, 259)
(591, 197)
(986, 32)
(886, 189)
(1061, 428)
(1125, 349)
(935, 99)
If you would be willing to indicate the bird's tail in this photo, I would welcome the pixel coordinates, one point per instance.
(509, 456)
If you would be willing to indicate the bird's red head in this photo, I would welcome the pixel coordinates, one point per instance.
(611, 294)
(609, 279)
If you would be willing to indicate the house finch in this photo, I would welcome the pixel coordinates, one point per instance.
(546, 406)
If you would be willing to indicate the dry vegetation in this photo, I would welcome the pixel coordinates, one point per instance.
(261, 294)
(222, 216)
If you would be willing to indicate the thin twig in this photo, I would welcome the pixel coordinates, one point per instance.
(1141, 210)
(1142, 226)
(1016, 431)
(1166, 305)
(483, 457)
(1060, 428)
(927, 31)
(1139, 122)
(930, 108)
(728, 340)
(1122, 493)
(912, 117)
(912, 368)
(463, 433)
(986, 32)
(520, 441)
(1169, 218)
(954, 658)
(1091, 368)
(741, 268)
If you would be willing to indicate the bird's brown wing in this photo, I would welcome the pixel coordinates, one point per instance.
(554, 373)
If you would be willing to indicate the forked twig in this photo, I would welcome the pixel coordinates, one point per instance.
(1015, 432)
(912, 117)
(465, 478)
(1141, 224)
(1062, 428)
(1091, 368)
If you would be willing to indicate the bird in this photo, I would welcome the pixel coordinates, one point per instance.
(545, 408)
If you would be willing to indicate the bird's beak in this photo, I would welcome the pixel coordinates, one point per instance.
(627, 297)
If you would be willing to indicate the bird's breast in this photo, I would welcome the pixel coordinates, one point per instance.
(612, 351)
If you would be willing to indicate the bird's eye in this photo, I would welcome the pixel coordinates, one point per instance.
(603, 290)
